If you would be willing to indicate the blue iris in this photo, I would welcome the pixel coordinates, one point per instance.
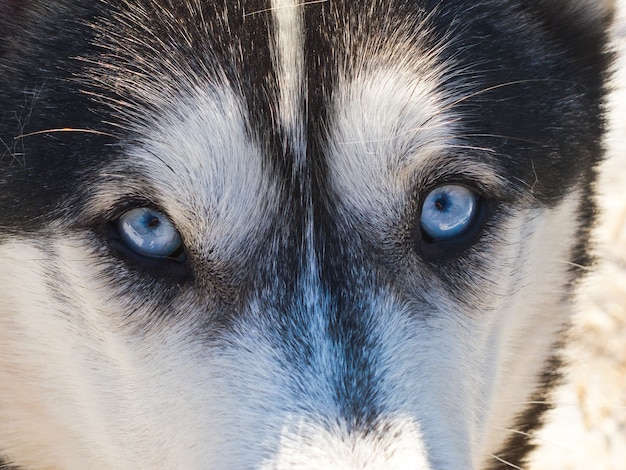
(448, 212)
(149, 233)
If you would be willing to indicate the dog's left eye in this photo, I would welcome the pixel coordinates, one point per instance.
(149, 233)
(448, 212)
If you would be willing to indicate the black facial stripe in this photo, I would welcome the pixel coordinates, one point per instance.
(539, 106)
(39, 169)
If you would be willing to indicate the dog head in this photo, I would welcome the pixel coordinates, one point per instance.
(255, 234)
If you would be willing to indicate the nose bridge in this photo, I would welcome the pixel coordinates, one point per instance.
(325, 322)
(319, 290)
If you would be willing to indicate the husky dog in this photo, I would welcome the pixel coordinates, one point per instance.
(275, 234)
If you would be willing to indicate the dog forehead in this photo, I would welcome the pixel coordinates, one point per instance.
(300, 104)
(235, 147)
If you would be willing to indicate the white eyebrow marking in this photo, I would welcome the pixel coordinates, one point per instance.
(289, 63)
(392, 130)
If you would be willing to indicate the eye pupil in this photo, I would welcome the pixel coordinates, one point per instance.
(440, 204)
(154, 222)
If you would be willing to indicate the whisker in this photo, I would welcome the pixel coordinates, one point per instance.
(574, 265)
(508, 464)
(63, 129)
(397, 135)
(502, 85)
(499, 136)
(451, 137)
(265, 10)
(532, 188)
(7, 149)
(534, 436)
(562, 403)
(469, 147)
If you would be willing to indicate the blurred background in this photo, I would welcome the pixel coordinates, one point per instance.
(587, 429)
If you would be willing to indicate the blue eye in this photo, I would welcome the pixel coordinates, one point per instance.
(448, 212)
(149, 233)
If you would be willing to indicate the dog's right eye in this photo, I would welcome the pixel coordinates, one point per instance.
(150, 233)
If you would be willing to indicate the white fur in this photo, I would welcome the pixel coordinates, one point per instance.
(208, 175)
(289, 59)
(162, 400)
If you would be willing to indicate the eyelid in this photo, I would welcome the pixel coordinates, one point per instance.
(464, 170)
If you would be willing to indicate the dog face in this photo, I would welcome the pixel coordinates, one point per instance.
(257, 234)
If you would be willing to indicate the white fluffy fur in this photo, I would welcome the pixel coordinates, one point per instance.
(87, 392)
